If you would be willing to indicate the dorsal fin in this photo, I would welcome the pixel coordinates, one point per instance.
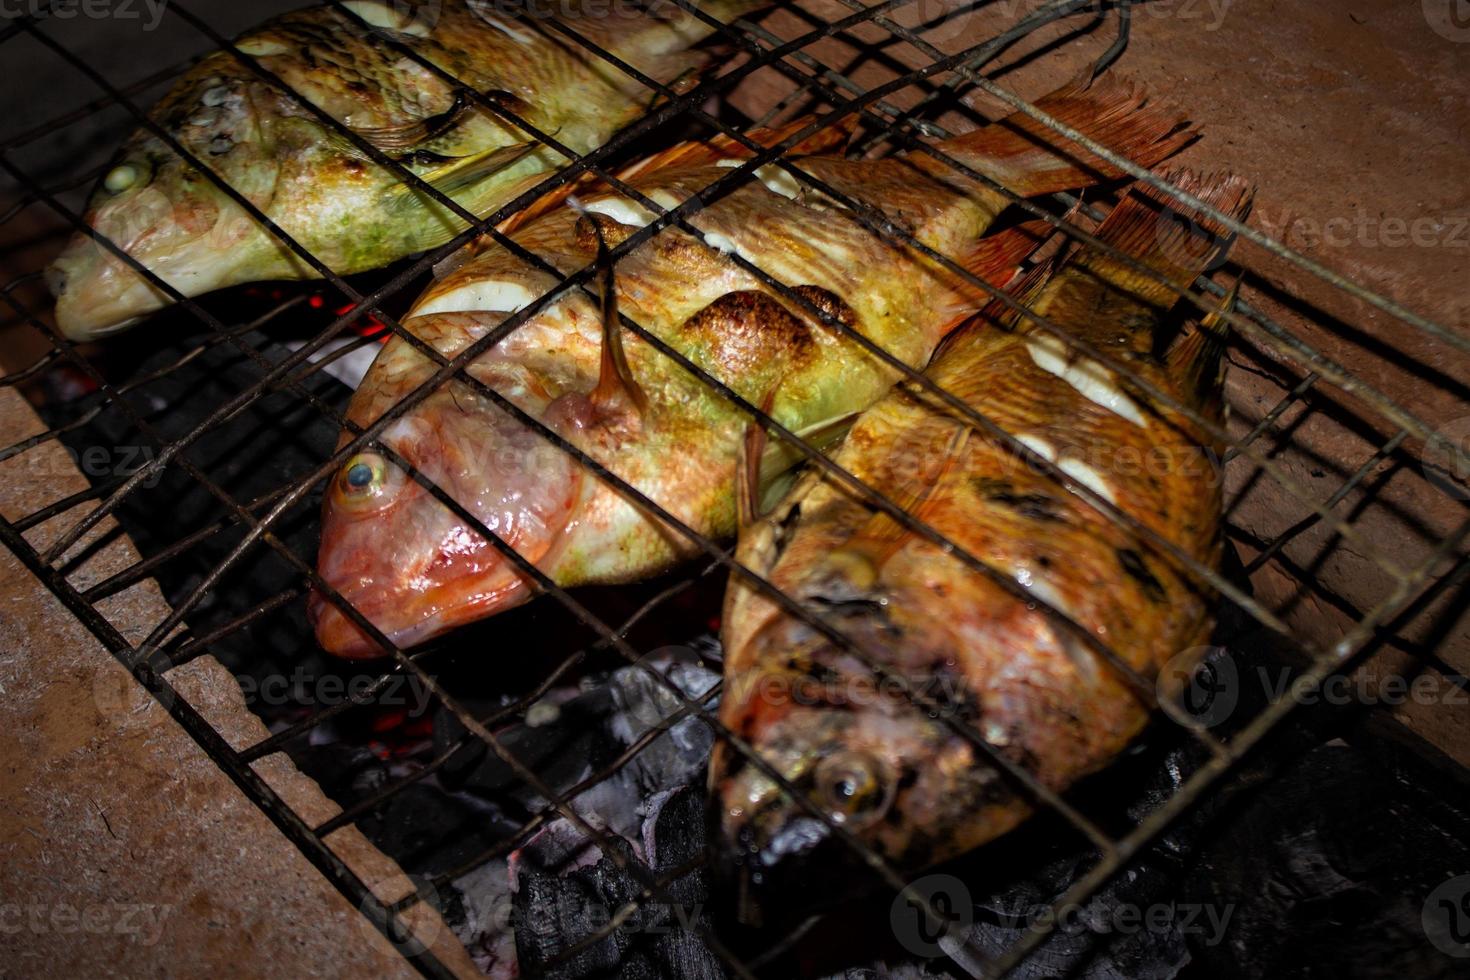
(1031, 159)
(994, 259)
(458, 178)
(615, 378)
(997, 313)
(693, 153)
(1169, 237)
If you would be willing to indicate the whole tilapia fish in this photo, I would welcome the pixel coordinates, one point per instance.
(905, 783)
(415, 569)
(325, 192)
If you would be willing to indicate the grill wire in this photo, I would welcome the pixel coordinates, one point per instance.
(881, 122)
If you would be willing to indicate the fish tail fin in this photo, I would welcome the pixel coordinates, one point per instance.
(994, 259)
(1197, 357)
(1031, 158)
(1175, 241)
(704, 152)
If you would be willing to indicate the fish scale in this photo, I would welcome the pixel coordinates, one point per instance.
(896, 776)
(636, 411)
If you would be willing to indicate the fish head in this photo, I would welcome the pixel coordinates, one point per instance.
(414, 565)
(170, 216)
(872, 773)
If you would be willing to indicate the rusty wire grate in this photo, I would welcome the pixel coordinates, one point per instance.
(883, 124)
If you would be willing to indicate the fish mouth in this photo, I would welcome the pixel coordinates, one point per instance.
(443, 608)
(96, 297)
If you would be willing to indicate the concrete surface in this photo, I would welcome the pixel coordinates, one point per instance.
(123, 849)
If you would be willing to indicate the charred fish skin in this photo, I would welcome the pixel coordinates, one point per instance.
(322, 190)
(934, 625)
(415, 569)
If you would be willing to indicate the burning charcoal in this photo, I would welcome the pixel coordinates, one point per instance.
(1328, 869)
(560, 753)
(556, 912)
(903, 971)
(483, 895)
(432, 830)
(680, 755)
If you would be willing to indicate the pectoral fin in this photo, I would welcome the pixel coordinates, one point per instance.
(914, 497)
(461, 179)
(767, 468)
(615, 380)
(748, 459)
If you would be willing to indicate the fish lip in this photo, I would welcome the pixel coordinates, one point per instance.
(90, 304)
(341, 637)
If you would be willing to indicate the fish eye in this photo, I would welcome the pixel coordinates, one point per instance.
(853, 786)
(125, 176)
(364, 477)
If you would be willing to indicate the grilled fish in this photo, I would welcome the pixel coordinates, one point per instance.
(905, 783)
(415, 569)
(328, 194)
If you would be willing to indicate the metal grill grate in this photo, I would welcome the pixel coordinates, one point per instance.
(884, 127)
